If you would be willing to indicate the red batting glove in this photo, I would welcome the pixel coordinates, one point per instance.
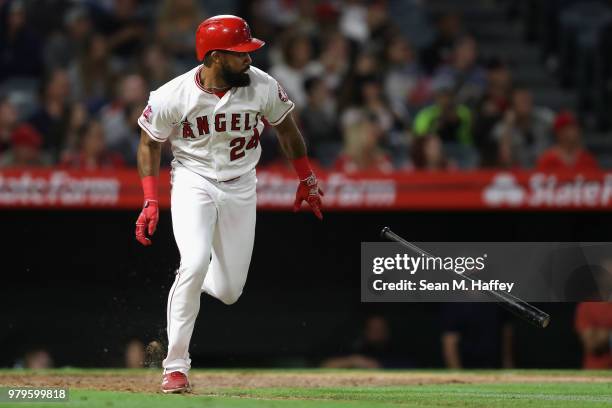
(147, 220)
(309, 191)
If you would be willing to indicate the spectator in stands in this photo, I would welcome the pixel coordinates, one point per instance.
(373, 102)
(354, 47)
(373, 349)
(20, 47)
(476, 335)
(590, 282)
(449, 30)
(64, 46)
(353, 22)
(25, 151)
(318, 119)
(125, 29)
(78, 120)
(297, 65)
(412, 19)
(568, 153)
(450, 120)
(119, 118)
(284, 14)
(8, 122)
(380, 27)
(362, 151)
(491, 109)
(177, 22)
(91, 75)
(594, 326)
(92, 153)
(135, 354)
(333, 61)
(56, 119)
(523, 133)
(428, 154)
(468, 77)
(405, 84)
(306, 17)
(366, 66)
(37, 359)
(156, 66)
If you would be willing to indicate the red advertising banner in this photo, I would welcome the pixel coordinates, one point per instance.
(478, 190)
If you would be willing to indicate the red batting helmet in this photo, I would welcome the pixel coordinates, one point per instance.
(225, 32)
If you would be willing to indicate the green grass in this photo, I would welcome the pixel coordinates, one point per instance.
(144, 371)
(552, 393)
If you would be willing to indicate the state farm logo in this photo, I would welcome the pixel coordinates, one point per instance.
(58, 188)
(504, 190)
(546, 190)
(341, 191)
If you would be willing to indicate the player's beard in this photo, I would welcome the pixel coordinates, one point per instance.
(235, 79)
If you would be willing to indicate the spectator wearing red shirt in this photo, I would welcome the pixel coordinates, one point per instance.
(26, 149)
(568, 153)
(594, 326)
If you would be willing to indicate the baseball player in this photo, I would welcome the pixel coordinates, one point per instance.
(213, 116)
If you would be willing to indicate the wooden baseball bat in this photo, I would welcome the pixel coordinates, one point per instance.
(510, 302)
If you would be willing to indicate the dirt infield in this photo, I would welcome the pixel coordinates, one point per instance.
(204, 382)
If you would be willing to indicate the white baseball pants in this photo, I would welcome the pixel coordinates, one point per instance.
(215, 219)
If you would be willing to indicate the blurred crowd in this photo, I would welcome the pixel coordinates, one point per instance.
(132, 354)
(574, 38)
(371, 93)
(465, 342)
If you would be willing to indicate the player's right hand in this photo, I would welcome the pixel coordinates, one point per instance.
(147, 222)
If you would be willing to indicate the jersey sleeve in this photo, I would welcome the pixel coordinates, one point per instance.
(278, 104)
(157, 119)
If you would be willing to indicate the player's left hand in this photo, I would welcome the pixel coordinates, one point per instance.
(147, 222)
(309, 191)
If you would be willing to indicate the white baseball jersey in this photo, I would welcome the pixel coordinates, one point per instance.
(217, 138)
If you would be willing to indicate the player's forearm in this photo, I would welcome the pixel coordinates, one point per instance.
(148, 156)
(294, 148)
(290, 139)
